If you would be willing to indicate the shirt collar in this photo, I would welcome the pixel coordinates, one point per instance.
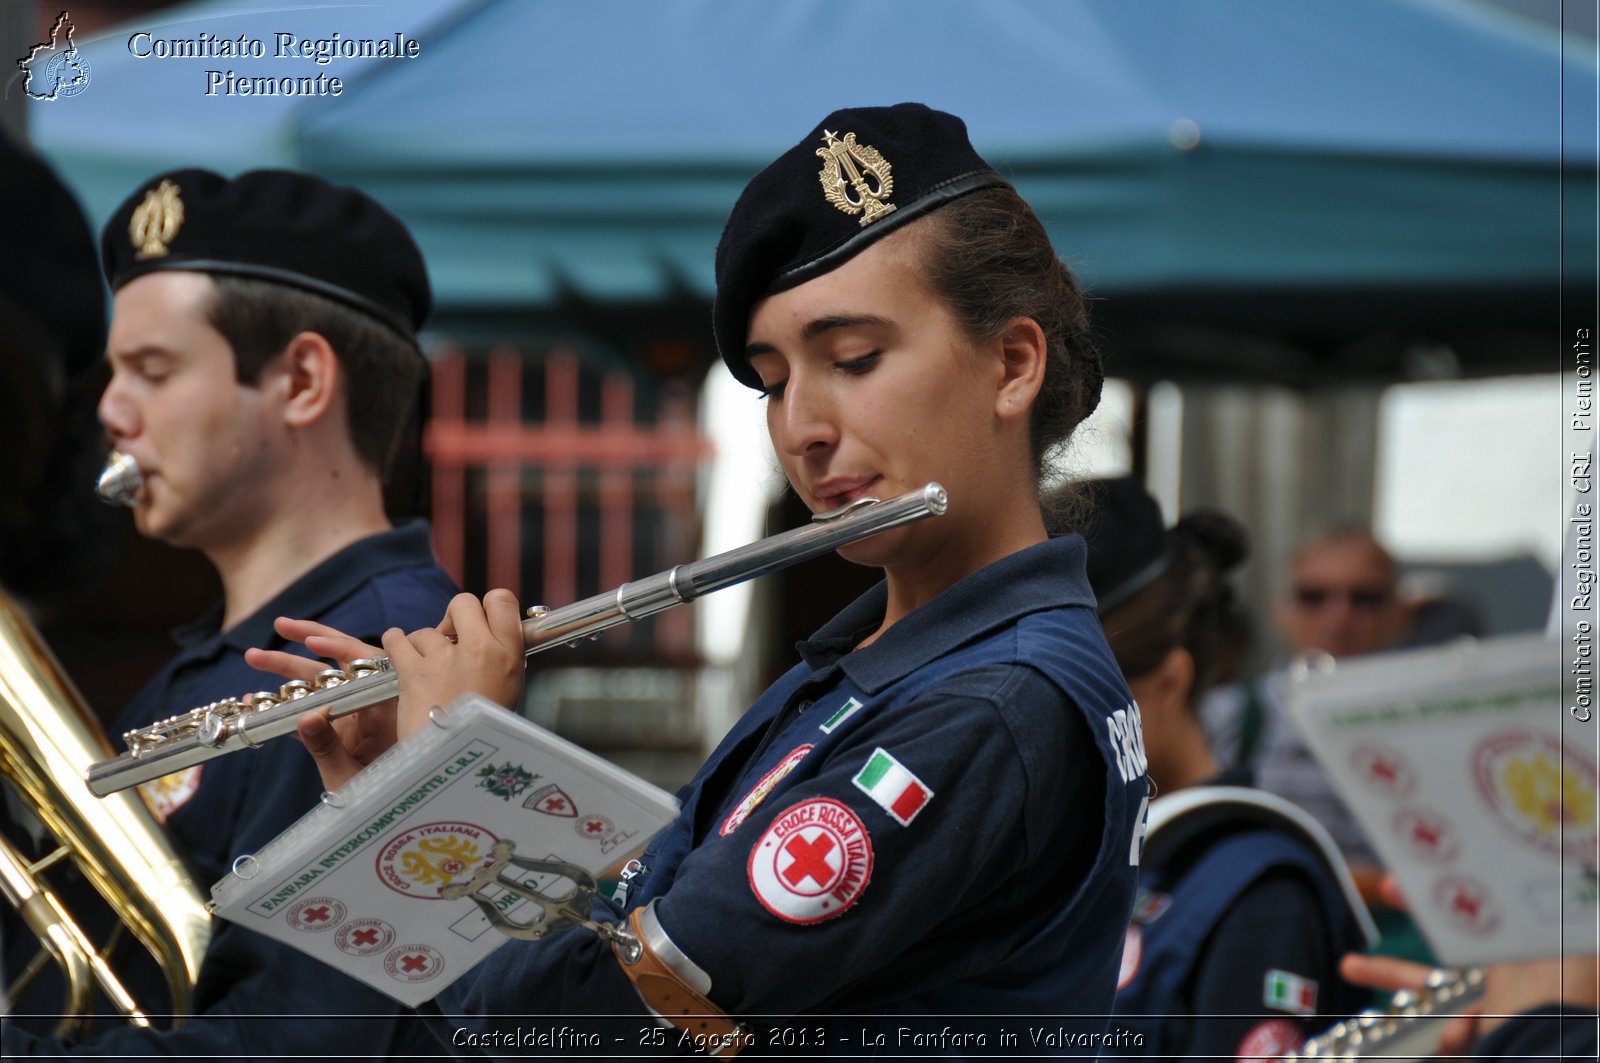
(1045, 576)
(318, 590)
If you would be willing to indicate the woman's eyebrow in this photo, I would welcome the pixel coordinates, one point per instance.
(817, 327)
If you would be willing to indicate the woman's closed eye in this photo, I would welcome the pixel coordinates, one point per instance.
(857, 366)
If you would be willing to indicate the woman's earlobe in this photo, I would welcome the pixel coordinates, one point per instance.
(1024, 355)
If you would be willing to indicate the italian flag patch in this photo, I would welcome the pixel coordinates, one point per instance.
(895, 789)
(1291, 993)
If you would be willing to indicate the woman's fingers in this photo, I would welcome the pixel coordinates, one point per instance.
(341, 647)
(335, 763)
(288, 665)
(504, 617)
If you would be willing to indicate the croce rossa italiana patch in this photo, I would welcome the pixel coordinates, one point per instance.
(812, 863)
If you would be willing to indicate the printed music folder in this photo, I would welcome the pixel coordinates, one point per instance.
(1476, 786)
(400, 878)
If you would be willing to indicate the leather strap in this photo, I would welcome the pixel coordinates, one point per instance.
(674, 1000)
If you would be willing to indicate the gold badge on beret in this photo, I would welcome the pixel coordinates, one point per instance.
(846, 167)
(156, 221)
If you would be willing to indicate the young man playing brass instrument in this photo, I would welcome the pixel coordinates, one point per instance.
(264, 364)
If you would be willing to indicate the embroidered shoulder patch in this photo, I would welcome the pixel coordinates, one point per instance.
(1290, 992)
(166, 795)
(1268, 1040)
(840, 715)
(812, 863)
(891, 784)
(758, 793)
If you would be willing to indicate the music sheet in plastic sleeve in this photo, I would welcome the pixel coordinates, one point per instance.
(364, 881)
(1475, 786)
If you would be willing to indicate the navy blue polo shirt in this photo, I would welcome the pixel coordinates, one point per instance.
(241, 801)
(235, 804)
(938, 824)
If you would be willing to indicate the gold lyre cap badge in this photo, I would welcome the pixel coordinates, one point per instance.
(156, 221)
(859, 168)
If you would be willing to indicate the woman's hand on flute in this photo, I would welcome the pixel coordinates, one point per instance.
(344, 746)
(477, 648)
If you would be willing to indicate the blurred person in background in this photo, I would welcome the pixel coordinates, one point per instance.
(1243, 909)
(1341, 598)
(53, 534)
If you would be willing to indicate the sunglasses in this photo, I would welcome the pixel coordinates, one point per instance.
(1307, 596)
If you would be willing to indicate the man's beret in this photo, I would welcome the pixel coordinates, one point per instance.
(274, 225)
(860, 175)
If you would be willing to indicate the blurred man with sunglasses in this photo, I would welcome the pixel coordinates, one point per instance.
(1340, 598)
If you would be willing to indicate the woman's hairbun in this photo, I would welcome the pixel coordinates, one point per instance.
(1220, 537)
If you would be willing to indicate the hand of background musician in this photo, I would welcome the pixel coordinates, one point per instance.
(1508, 988)
(1389, 974)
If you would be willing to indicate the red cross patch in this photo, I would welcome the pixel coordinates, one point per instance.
(1269, 1040)
(812, 863)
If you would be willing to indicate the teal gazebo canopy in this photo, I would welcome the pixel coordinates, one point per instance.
(1251, 187)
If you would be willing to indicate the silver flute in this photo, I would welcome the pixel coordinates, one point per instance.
(244, 722)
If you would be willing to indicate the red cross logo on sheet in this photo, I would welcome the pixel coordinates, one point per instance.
(1467, 903)
(413, 963)
(364, 937)
(316, 914)
(552, 801)
(1428, 833)
(1383, 769)
(812, 863)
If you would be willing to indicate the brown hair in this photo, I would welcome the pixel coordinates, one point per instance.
(382, 368)
(988, 257)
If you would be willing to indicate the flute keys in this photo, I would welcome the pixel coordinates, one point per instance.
(329, 678)
(213, 729)
(363, 666)
(293, 690)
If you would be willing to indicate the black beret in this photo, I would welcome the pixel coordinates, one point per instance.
(879, 168)
(275, 225)
(51, 293)
(1129, 545)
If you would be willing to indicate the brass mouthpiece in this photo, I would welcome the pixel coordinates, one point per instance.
(120, 480)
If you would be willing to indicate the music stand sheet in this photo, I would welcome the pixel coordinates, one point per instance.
(357, 882)
(1477, 790)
